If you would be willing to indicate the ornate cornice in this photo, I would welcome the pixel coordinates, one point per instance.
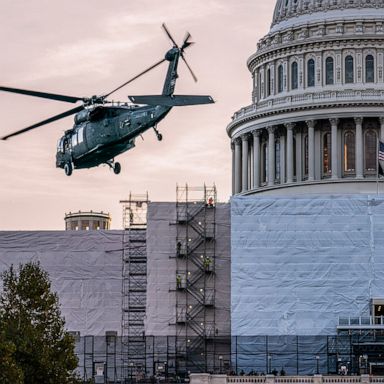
(252, 117)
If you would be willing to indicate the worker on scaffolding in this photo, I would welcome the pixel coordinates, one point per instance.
(178, 281)
(207, 263)
(210, 202)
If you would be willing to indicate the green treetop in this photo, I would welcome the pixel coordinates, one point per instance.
(38, 349)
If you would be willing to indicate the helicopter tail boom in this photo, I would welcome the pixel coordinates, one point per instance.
(172, 101)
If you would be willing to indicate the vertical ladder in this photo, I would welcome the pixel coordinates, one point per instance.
(134, 285)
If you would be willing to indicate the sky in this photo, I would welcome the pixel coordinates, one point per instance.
(89, 47)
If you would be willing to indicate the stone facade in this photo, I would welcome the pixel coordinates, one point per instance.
(318, 96)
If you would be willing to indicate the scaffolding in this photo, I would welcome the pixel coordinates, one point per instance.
(134, 285)
(195, 278)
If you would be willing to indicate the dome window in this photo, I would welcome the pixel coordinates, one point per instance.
(349, 153)
(369, 69)
(311, 73)
(329, 71)
(280, 78)
(268, 82)
(327, 169)
(294, 76)
(370, 152)
(349, 75)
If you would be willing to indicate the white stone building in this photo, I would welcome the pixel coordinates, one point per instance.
(317, 104)
(307, 215)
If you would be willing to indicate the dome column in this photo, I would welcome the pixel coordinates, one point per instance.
(335, 162)
(311, 149)
(271, 156)
(233, 168)
(237, 165)
(359, 147)
(290, 127)
(245, 154)
(282, 159)
(256, 158)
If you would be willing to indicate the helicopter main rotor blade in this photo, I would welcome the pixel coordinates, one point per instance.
(169, 35)
(172, 101)
(47, 121)
(44, 95)
(190, 69)
(134, 78)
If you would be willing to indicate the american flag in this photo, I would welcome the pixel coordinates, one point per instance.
(381, 158)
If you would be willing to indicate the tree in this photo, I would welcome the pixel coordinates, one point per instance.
(33, 329)
(10, 372)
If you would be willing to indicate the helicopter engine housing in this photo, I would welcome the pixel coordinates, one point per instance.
(82, 116)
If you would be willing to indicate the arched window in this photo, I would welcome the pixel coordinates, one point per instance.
(294, 76)
(268, 82)
(349, 76)
(306, 155)
(277, 160)
(311, 73)
(280, 79)
(370, 152)
(369, 69)
(329, 71)
(327, 164)
(349, 152)
(264, 163)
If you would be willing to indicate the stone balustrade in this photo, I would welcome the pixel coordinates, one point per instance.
(205, 378)
(309, 98)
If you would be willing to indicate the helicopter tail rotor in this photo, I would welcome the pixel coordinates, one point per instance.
(186, 43)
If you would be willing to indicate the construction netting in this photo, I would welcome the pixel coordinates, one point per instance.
(300, 263)
(85, 270)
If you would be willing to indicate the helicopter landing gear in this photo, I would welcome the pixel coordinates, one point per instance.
(158, 134)
(115, 166)
(68, 168)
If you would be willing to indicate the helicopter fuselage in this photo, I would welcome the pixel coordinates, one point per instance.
(102, 129)
(102, 132)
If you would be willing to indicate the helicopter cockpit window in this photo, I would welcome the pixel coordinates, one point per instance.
(80, 135)
(60, 145)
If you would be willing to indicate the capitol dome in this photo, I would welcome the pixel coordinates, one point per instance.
(317, 109)
(317, 9)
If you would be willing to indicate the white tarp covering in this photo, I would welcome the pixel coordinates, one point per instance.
(298, 263)
(85, 270)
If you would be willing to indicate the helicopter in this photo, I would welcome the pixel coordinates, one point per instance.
(103, 129)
